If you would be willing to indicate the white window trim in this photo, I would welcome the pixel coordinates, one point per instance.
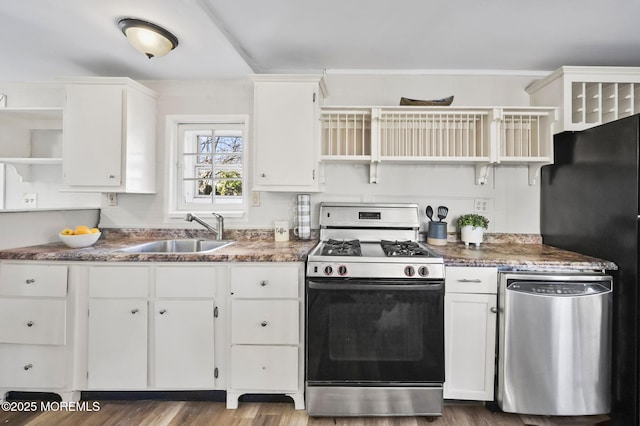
(171, 178)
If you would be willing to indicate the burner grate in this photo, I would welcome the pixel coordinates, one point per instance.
(402, 248)
(341, 248)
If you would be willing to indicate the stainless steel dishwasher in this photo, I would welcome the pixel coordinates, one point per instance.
(554, 343)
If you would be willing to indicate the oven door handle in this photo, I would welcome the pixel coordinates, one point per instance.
(438, 285)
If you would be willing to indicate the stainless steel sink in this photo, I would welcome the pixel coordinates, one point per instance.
(188, 245)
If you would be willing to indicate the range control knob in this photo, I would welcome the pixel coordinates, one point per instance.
(328, 270)
(342, 270)
(423, 271)
(409, 271)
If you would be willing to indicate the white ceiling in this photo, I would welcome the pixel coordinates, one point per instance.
(49, 39)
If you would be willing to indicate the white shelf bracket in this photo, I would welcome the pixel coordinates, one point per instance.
(534, 173)
(373, 172)
(482, 173)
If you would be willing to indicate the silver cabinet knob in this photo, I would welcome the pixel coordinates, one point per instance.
(30, 281)
(28, 367)
(494, 310)
(263, 175)
(134, 311)
(264, 283)
(30, 324)
(264, 323)
(163, 311)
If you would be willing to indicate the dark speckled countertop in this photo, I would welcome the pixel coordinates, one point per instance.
(248, 246)
(508, 251)
(514, 255)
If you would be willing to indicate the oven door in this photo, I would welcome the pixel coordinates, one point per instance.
(375, 331)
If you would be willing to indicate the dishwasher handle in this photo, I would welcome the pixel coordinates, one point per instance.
(560, 289)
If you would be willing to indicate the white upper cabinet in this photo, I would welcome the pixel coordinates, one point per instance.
(109, 136)
(286, 131)
(589, 96)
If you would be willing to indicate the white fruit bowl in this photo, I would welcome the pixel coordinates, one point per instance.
(79, 241)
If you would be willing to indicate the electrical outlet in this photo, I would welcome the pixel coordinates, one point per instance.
(112, 199)
(480, 205)
(30, 200)
(255, 198)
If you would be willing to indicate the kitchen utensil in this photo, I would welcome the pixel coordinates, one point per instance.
(442, 212)
(430, 213)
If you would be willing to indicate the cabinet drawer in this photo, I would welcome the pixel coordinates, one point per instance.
(471, 280)
(33, 321)
(33, 280)
(268, 368)
(265, 282)
(265, 322)
(186, 281)
(23, 366)
(118, 281)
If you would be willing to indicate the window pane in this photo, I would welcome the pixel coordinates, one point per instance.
(229, 187)
(204, 187)
(228, 143)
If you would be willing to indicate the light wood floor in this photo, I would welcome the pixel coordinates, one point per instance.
(196, 413)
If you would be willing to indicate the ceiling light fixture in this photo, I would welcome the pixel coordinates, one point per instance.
(150, 39)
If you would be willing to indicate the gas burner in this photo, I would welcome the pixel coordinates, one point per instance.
(341, 248)
(402, 248)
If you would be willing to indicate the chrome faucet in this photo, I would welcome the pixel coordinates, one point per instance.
(219, 228)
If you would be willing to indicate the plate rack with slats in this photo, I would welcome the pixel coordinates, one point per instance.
(477, 135)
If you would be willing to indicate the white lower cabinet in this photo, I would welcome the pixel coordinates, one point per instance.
(36, 329)
(266, 342)
(184, 344)
(117, 351)
(152, 327)
(123, 326)
(470, 333)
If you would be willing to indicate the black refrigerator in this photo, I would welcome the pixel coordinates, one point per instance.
(589, 204)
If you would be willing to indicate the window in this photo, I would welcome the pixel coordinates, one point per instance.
(209, 164)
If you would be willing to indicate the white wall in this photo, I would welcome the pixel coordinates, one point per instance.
(27, 228)
(513, 204)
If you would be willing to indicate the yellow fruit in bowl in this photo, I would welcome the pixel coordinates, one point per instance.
(66, 231)
(81, 229)
(94, 230)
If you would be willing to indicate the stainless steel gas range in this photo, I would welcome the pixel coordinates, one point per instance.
(374, 315)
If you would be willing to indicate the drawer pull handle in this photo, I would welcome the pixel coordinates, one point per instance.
(465, 280)
(264, 283)
(111, 176)
(163, 311)
(28, 367)
(264, 323)
(30, 281)
(494, 310)
(30, 324)
(134, 311)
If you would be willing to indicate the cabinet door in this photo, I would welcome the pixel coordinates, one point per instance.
(184, 344)
(117, 356)
(470, 337)
(93, 131)
(266, 368)
(285, 131)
